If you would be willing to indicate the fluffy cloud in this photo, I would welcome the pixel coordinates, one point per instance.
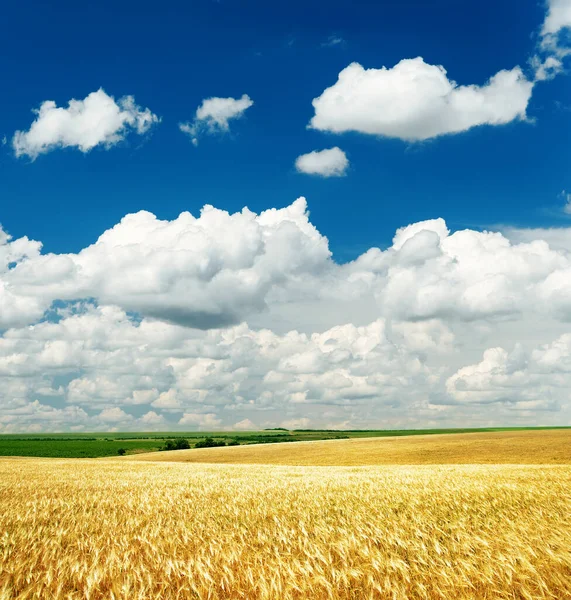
(558, 238)
(244, 425)
(546, 68)
(416, 101)
(554, 41)
(221, 269)
(327, 163)
(558, 17)
(114, 415)
(229, 320)
(536, 380)
(96, 120)
(203, 272)
(206, 422)
(214, 114)
(207, 379)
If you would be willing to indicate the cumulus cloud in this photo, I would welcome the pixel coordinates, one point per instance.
(558, 238)
(553, 44)
(244, 425)
(207, 379)
(221, 269)
(416, 101)
(196, 323)
(96, 120)
(327, 163)
(152, 419)
(546, 68)
(114, 415)
(203, 272)
(214, 114)
(558, 17)
(206, 422)
(535, 380)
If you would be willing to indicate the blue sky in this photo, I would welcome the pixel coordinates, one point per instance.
(172, 58)
(405, 261)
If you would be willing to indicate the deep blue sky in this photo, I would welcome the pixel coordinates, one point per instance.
(171, 55)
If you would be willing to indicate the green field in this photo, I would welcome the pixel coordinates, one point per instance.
(94, 445)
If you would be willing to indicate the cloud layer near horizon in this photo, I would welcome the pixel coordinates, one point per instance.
(246, 319)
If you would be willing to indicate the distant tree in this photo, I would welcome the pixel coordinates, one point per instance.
(181, 444)
(121, 451)
(178, 444)
(209, 443)
(233, 443)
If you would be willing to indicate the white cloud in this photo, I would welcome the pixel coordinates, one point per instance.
(546, 68)
(203, 272)
(327, 163)
(206, 422)
(553, 45)
(221, 269)
(244, 425)
(281, 332)
(558, 17)
(114, 415)
(524, 380)
(214, 114)
(168, 401)
(333, 40)
(302, 423)
(96, 120)
(153, 419)
(416, 101)
(558, 238)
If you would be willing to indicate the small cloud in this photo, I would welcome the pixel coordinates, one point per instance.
(152, 418)
(326, 163)
(96, 120)
(208, 421)
(113, 415)
(244, 425)
(557, 19)
(546, 69)
(553, 41)
(213, 116)
(566, 196)
(333, 40)
(302, 423)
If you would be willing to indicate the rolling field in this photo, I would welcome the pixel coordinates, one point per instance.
(137, 528)
(94, 445)
(504, 447)
(72, 529)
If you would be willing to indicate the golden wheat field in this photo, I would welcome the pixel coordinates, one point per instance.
(93, 529)
(505, 447)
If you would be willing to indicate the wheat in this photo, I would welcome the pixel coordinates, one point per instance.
(78, 529)
(506, 447)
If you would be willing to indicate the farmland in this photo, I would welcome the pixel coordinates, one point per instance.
(132, 530)
(500, 447)
(94, 445)
(435, 516)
